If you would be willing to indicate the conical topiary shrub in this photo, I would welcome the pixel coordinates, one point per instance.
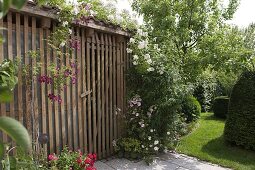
(240, 124)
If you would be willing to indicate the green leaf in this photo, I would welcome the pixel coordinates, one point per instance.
(18, 3)
(16, 131)
(5, 95)
(1, 150)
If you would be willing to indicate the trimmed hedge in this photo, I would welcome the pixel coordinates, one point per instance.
(191, 109)
(220, 106)
(240, 124)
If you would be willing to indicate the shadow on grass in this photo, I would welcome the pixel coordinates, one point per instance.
(212, 117)
(220, 149)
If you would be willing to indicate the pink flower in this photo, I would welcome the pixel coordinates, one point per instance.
(73, 80)
(52, 157)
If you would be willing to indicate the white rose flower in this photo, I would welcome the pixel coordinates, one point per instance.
(146, 149)
(155, 46)
(142, 125)
(135, 63)
(135, 57)
(70, 31)
(147, 56)
(161, 72)
(64, 23)
(149, 61)
(149, 137)
(142, 146)
(156, 142)
(150, 69)
(140, 32)
(168, 133)
(151, 130)
(75, 10)
(156, 148)
(129, 50)
(62, 44)
(132, 40)
(111, 17)
(142, 45)
(137, 114)
(151, 146)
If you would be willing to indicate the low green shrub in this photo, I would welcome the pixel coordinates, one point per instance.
(240, 123)
(220, 106)
(191, 109)
(128, 148)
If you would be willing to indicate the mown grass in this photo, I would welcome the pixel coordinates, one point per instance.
(207, 143)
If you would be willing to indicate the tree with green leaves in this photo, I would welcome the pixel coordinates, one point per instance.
(182, 26)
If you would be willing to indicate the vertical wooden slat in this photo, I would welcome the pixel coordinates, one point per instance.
(68, 104)
(114, 88)
(84, 88)
(80, 114)
(50, 104)
(103, 93)
(111, 92)
(20, 91)
(10, 54)
(107, 127)
(27, 62)
(3, 105)
(63, 102)
(124, 81)
(93, 70)
(99, 111)
(43, 86)
(88, 68)
(74, 106)
(56, 112)
(34, 86)
(118, 86)
(121, 65)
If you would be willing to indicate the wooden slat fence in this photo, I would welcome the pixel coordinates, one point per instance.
(89, 117)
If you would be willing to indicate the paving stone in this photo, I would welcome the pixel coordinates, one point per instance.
(102, 166)
(124, 164)
(169, 161)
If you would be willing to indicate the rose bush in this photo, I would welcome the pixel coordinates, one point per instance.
(155, 93)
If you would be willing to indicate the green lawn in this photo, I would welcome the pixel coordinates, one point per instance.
(207, 143)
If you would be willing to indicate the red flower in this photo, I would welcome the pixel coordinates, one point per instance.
(79, 160)
(52, 157)
(92, 156)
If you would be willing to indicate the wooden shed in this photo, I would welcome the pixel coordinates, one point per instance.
(90, 116)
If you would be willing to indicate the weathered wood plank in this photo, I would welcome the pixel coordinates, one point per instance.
(106, 75)
(111, 91)
(84, 88)
(102, 45)
(118, 59)
(43, 86)
(35, 115)
(10, 55)
(63, 103)
(94, 111)
(99, 109)
(50, 104)
(20, 90)
(56, 104)
(28, 92)
(88, 71)
(79, 82)
(68, 103)
(74, 102)
(114, 89)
